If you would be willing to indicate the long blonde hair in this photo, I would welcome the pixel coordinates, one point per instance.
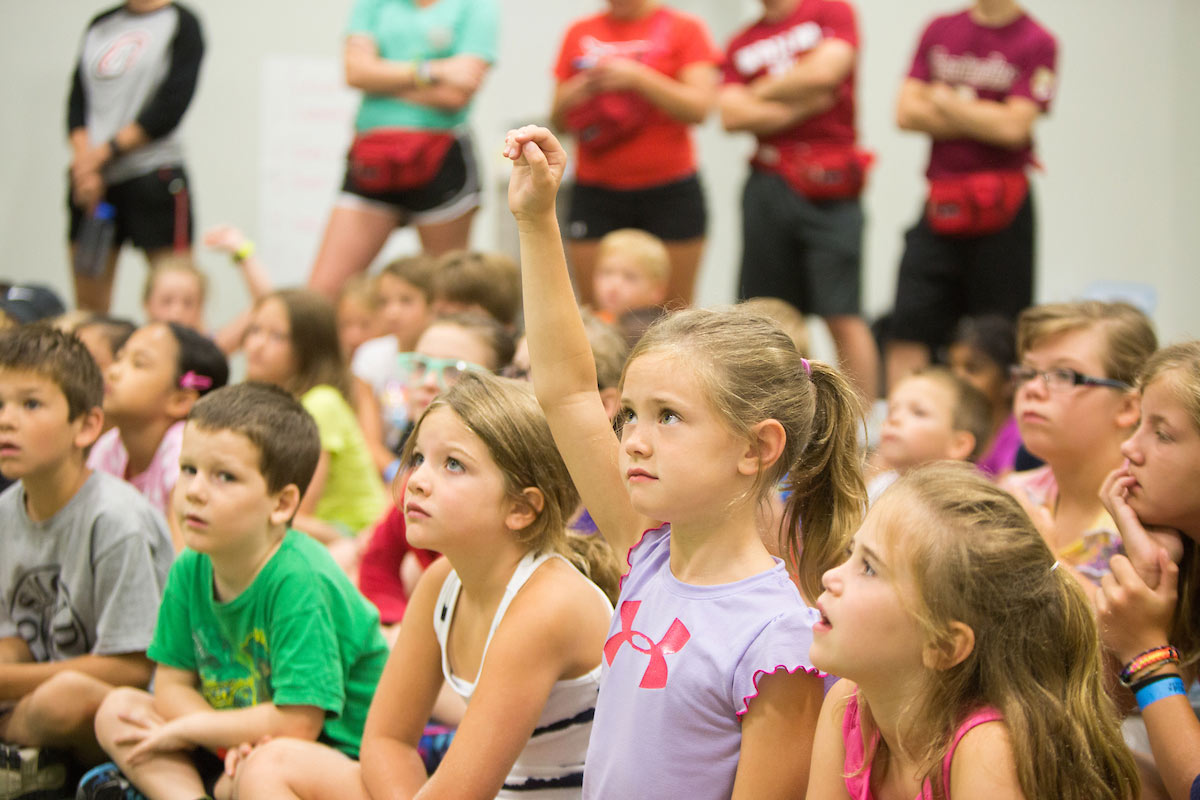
(1179, 366)
(507, 418)
(974, 557)
(752, 372)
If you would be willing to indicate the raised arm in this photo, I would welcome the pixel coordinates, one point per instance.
(564, 373)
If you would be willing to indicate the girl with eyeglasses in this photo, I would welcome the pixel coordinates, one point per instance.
(1075, 405)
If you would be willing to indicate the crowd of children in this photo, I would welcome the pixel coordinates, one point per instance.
(630, 550)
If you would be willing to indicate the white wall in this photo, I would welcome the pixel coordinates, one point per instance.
(1117, 201)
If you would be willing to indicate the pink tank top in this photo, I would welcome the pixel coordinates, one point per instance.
(859, 785)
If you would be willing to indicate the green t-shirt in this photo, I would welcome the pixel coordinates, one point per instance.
(354, 496)
(404, 31)
(300, 634)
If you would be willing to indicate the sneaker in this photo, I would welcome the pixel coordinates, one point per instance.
(106, 782)
(28, 772)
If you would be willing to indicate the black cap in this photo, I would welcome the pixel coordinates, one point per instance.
(26, 302)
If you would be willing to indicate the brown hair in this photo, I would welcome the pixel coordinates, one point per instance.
(488, 280)
(1179, 367)
(506, 417)
(274, 422)
(975, 558)
(485, 328)
(609, 350)
(359, 287)
(315, 346)
(752, 372)
(59, 357)
(971, 413)
(174, 263)
(786, 316)
(1128, 333)
(416, 271)
(644, 249)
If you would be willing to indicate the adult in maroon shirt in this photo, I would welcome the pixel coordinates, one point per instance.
(789, 80)
(979, 81)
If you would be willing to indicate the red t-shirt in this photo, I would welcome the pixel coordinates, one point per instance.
(379, 573)
(1014, 60)
(660, 151)
(773, 47)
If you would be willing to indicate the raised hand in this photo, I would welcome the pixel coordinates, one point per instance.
(538, 164)
(1140, 543)
(224, 238)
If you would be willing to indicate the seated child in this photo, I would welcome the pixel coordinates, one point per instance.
(259, 634)
(292, 342)
(982, 352)
(404, 293)
(83, 559)
(632, 272)
(159, 374)
(1075, 405)
(104, 336)
(932, 415)
(471, 281)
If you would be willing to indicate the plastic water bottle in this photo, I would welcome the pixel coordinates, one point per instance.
(95, 240)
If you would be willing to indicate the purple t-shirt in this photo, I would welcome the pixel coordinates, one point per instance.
(1002, 455)
(1013, 60)
(681, 665)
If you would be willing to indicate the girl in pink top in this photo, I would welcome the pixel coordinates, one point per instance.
(971, 663)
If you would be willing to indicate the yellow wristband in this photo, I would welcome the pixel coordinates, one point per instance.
(243, 252)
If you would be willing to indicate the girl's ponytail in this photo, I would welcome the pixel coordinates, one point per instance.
(592, 556)
(827, 497)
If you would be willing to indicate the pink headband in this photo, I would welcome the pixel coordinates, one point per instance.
(193, 380)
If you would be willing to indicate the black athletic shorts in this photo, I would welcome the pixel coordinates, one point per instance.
(673, 212)
(154, 210)
(945, 278)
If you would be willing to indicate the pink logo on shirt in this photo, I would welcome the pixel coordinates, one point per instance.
(655, 676)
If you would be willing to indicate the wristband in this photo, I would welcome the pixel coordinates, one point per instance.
(1155, 655)
(423, 74)
(1157, 690)
(243, 252)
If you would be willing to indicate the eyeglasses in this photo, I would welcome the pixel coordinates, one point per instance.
(446, 371)
(1062, 379)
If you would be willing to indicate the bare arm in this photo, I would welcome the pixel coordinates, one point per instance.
(305, 520)
(127, 669)
(825, 778)
(984, 765)
(568, 94)
(822, 69)
(916, 112)
(14, 650)
(777, 737)
(741, 110)
(1007, 124)
(454, 80)
(560, 356)
(175, 692)
(687, 98)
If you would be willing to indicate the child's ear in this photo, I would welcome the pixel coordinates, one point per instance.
(1130, 411)
(952, 652)
(91, 425)
(287, 501)
(767, 440)
(962, 444)
(180, 402)
(525, 508)
(611, 398)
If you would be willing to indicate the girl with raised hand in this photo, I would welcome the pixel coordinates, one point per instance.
(1149, 608)
(707, 690)
(971, 663)
(507, 618)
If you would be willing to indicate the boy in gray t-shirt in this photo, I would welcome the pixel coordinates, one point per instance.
(83, 556)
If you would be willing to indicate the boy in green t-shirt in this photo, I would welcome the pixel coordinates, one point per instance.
(260, 633)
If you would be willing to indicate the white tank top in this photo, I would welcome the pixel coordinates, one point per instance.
(551, 765)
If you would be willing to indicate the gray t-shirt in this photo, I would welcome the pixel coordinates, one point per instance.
(87, 580)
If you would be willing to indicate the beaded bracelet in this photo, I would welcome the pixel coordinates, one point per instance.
(1158, 690)
(1154, 655)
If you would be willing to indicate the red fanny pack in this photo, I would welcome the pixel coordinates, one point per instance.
(976, 203)
(607, 119)
(821, 171)
(393, 160)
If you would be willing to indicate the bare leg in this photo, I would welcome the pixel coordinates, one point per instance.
(291, 768)
(353, 236)
(60, 713)
(685, 263)
(858, 354)
(165, 776)
(904, 358)
(582, 255)
(442, 237)
(94, 293)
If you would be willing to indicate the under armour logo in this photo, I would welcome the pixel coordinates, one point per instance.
(655, 676)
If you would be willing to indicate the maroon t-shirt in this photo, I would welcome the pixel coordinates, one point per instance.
(1013, 60)
(773, 47)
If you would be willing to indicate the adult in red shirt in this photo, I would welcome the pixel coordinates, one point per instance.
(631, 81)
(979, 80)
(789, 80)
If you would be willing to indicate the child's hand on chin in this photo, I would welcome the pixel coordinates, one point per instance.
(538, 164)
